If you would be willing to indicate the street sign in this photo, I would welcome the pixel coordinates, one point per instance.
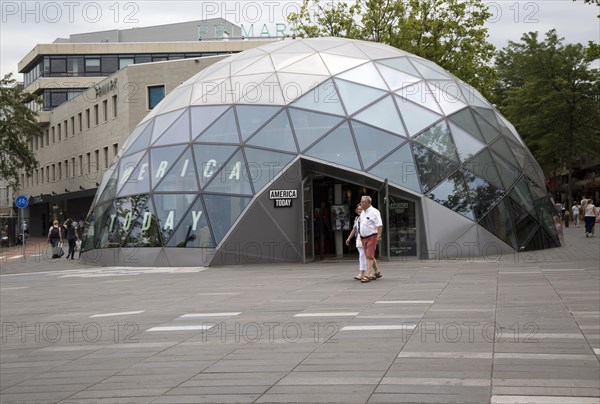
(22, 201)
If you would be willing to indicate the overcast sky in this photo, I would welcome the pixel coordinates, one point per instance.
(25, 24)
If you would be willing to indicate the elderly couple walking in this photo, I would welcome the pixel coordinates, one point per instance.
(367, 230)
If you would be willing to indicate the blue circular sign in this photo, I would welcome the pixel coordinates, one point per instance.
(22, 201)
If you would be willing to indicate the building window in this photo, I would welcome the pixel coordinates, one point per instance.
(114, 102)
(87, 118)
(73, 166)
(42, 170)
(97, 159)
(72, 126)
(59, 131)
(81, 164)
(124, 62)
(105, 156)
(59, 171)
(53, 135)
(66, 169)
(105, 110)
(53, 172)
(35, 142)
(37, 176)
(96, 115)
(47, 137)
(92, 65)
(155, 95)
(80, 121)
(88, 160)
(66, 129)
(115, 149)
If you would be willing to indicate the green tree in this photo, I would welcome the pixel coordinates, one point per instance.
(549, 91)
(17, 124)
(447, 32)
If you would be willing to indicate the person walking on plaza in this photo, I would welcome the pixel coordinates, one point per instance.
(371, 227)
(55, 238)
(72, 237)
(362, 259)
(590, 212)
(575, 210)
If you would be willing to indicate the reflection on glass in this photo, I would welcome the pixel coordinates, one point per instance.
(233, 177)
(373, 144)
(483, 165)
(498, 222)
(524, 224)
(223, 211)
(438, 139)
(402, 230)
(116, 223)
(277, 134)
(309, 126)
(210, 159)
(192, 231)
(181, 175)
(337, 147)
(170, 209)
(453, 194)
(399, 168)
(482, 194)
(431, 167)
(144, 226)
(264, 165)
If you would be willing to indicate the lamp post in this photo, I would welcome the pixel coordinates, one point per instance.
(55, 212)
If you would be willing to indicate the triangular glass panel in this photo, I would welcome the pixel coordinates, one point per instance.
(162, 122)
(144, 226)
(177, 99)
(324, 98)
(482, 194)
(488, 131)
(466, 145)
(522, 195)
(355, 96)
(453, 194)
(128, 211)
(484, 166)
(508, 173)
(487, 114)
(164, 162)
(310, 126)
(312, 64)
(233, 178)
(337, 64)
(348, 49)
(448, 96)
(138, 182)
(321, 44)
(170, 209)
(396, 79)
(203, 117)
(193, 230)
(262, 65)
(179, 132)
(525, 225)
(143, 139)
(420, 94)
(223, 211)
(127, 165)
(98, 235)
(438, 139)
(284, 59)
(383, 114)
(373, 144)
(465, 120)
(211, 92)
(473, 96)
(267, 92)
(209, 160)
(224, 130)
(501, 148)
(277, 134)
(376, 50)
(415, 117)
(431, 167)
(296, 47)
(249, 89)
(498, 222)
(402, 64)
(521, 155)
(399, 168)
(239, 64)
(251, 117)
(294, 85)
(366, 75)
(109, 190)
(337, 147)
(430, 71)
(264, 165)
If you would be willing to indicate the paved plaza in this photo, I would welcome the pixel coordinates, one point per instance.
(514, 329)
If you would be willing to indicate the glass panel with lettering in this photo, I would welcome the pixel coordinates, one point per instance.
(209, 160)
(233, 177)
(170, 209)
(181, 175)
(162, 160)
(193, 231)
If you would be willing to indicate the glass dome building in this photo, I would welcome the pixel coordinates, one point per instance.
(263, 156)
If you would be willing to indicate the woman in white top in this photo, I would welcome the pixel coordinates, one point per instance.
(575, 210)
(589, 215)
(362, 258)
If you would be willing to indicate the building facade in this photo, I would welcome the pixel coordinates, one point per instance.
(263, 156)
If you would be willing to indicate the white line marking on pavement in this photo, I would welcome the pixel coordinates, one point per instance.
(340, 314)
(15, 257)
(405, 302)
(124, 313)
(527, 356)
(201, 315)
(183, 328)
(543, 400)
(597, 351)
(15, 288)
(378, 327)
(446, 355)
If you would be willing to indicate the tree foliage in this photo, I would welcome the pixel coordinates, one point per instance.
(447, 32)
(550, 92)
(17, 124)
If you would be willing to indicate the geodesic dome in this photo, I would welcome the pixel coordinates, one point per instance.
(192, 167)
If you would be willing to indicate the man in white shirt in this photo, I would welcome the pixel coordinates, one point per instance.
(371, 227)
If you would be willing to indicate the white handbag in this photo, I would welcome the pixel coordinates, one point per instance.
(358, 242)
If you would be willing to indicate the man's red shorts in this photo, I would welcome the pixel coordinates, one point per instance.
(370, 244)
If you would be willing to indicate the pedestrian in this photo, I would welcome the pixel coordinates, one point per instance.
(55, 238)
(72, 237)
(362, 259)
(575, 209)
(590, 212)
(25, 229)
(370, 231)
(566, 216)
(4, 236)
